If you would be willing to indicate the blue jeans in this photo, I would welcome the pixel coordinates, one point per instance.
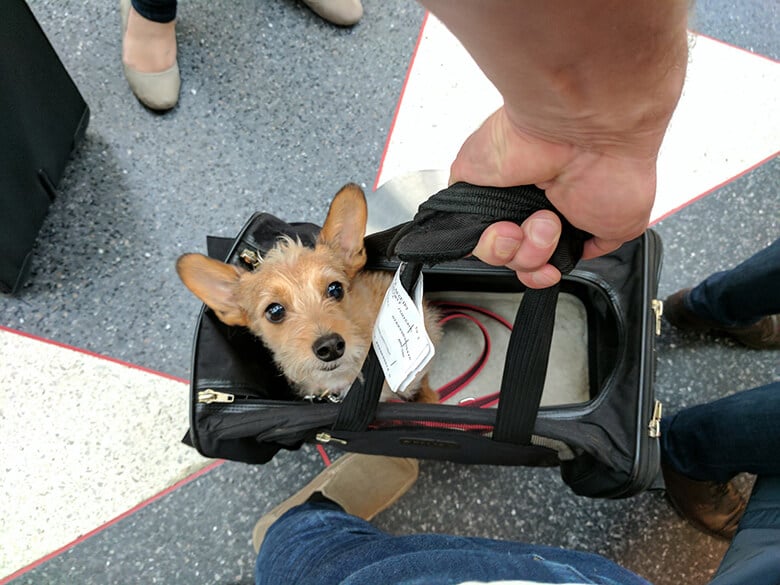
(156, 10)
(754, 554)
(715, 442)
(743, 295)
(320, 544)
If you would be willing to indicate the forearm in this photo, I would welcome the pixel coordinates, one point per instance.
(598, 74)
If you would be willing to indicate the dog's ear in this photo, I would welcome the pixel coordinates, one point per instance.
(214, 283)
(345, 227)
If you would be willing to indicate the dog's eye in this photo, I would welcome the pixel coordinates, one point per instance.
(274, 313)
(336, 291)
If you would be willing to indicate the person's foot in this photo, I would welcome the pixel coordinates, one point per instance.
(363, 485)
(149, 59)
(765, 334)
(714, 508)
(339, 12)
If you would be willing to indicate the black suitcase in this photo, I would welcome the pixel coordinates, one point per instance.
(606, 445)
(42, 116)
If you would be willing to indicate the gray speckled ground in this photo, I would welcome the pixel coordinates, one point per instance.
(278, 110)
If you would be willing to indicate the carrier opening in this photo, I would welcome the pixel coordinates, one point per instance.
(584, 345)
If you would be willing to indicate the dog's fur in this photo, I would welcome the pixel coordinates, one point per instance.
(313, 319)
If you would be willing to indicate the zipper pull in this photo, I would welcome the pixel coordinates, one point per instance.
(208, 396)
(657, 306)
(654, 428)
(327, 438)
(250, 257)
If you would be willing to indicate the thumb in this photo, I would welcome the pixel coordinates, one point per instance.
(499, 154)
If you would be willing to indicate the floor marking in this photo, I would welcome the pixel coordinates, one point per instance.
(111, 522)
(82, 440)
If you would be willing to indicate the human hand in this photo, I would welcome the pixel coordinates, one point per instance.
(588, 89)
(607, 191)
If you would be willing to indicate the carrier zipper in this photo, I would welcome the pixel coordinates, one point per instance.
(208, 396)
(657, 306)
(250, 257)
(654, 428)
(328, 438)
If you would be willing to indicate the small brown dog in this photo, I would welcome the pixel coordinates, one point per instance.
(314, 308)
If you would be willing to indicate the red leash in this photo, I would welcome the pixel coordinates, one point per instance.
(324, 455)
(454, 310)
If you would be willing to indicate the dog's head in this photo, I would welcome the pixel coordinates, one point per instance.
(299, 300)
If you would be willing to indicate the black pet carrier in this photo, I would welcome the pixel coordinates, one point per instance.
(604, 436)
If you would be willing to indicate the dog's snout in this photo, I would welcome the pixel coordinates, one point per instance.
(329, 347)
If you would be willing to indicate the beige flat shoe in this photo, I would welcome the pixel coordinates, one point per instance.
(363, 485)
(158, 90)
(339, 12)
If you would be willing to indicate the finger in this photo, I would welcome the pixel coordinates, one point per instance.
(544, 277)
(499, 243)
(522, 248)
(596, 247)
(525, 249)
(498, 153)
(479, 160)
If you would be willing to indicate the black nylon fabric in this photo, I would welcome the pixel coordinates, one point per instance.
(525, 369)
(449, 224)
(358, 409)
(266, 230)
(613, 454)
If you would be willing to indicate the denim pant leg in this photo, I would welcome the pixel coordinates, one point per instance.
(742, 295)
(156, 10)
(716, 441)
(320, 544)
(754, 554)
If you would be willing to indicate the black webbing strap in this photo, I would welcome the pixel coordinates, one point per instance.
(447, 227)
(525, 368)
(358, 408)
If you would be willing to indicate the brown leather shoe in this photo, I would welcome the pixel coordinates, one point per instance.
(714, 508)
(765, 334)
(363, 485)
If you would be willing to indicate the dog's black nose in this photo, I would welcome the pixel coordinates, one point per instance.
(329, 347)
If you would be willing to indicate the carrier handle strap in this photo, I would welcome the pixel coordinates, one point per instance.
(447, 227)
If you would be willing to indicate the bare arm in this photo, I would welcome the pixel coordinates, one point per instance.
(589, 88)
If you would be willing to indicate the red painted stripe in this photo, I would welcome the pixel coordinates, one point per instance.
(770, 59)
(93, 354)
(716, 187)
(400, 99)
(102, 527)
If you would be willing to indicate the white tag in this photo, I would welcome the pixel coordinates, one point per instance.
(400, 340)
